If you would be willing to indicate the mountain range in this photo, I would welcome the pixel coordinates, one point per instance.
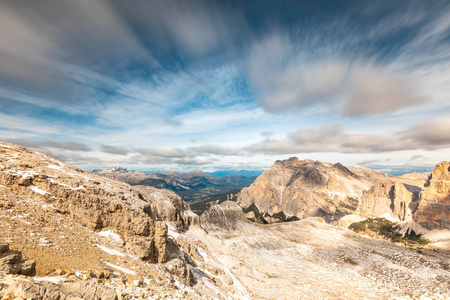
(69, 234)
(189, 186)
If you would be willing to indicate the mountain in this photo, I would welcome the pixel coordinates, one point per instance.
(76, 226)
(391, 200)
(189, 186)
(293, 189)
(433, 211)
(69, 234)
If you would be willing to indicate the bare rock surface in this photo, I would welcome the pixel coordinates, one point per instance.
(11, 262)
(293, 189)
(309, 259)
(389, 199)
(433, 211)
(78, 289)
(78, 224)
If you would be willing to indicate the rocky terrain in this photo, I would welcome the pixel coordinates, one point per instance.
(309, 259)
(433, 211)
(68, 234)
(190, 186)
(73, 223)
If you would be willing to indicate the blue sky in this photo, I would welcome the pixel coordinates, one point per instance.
(182, 85)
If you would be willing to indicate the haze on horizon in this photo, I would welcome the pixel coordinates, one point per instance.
(213, 85)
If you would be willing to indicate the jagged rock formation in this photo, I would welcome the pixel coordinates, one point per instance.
(86, 225)
(135, 215)
(226, 216)
(190, 185)
(433, 211)
(293, 189)
(11, 262)
(391, 200)
(76, 289)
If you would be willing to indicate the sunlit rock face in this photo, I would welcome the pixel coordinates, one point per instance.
(433, 211)
(391, 199)
(296, 189)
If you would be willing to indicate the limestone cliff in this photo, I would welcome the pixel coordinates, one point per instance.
(391, 200)
(433, 211)
(293, 189)
(136, 215)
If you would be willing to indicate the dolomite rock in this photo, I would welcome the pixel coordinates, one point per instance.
(11, 262)
(391, 199)
(87, 290)
(433, 211)
(225, 216)
(138, 216)
(293, 189)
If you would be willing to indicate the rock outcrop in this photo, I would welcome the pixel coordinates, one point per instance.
(138, 216)
(11, 262)
(293, 189)
(391, 200)
(78, 289)
(225, 216)
(433, 211)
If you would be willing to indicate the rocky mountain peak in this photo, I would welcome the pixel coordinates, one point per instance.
(434, 200)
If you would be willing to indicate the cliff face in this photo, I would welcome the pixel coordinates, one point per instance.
(387, 199)
(137, 215)
(293, 189)
(433, 211)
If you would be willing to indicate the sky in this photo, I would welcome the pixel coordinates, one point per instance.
(227, 85)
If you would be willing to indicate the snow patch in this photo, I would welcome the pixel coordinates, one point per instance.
(65, 185)
(389, 217)
(37, 190)
(172, 232)
(110, 251)
(125, 270)
(54, 279)
(409, 225)
(110, 234)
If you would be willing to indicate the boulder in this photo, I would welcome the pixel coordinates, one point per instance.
(11, 262)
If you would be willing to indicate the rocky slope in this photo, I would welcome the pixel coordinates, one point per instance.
(293, 189)
(433, 211)
(190, 185)
(95, 238)
(307, 259)
(89, 226)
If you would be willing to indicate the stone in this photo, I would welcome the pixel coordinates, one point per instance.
(433, 210)
(11, 262)
(387, 199)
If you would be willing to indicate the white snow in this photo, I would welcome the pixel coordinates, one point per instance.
(37, 190)
(125, 270)
(172, 232)
(54, 167)
(110, 234)
(65, 185)
(48, 207)
(389, 217)
(54, 279)
(409, 225)
(110, 251)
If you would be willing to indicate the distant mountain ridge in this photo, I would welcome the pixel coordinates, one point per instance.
(295, 189)
(190, 185)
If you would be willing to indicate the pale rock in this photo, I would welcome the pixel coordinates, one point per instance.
(387, 198)
(433, 211)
